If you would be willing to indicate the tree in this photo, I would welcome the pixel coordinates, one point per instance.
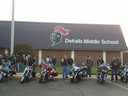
(24, 49)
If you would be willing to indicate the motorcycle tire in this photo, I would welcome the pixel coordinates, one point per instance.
(101, 80)
(40, 80)
(22, 79)
(72, 80)
(126, 80)
(1, 77)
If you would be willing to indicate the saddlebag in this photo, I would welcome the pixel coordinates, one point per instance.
(55, 73)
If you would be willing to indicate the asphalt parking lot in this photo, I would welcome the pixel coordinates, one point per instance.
(63, 87)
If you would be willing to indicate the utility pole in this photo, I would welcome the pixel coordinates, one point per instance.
(12, 28)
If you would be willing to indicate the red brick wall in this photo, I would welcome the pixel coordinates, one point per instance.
(2, 51)
(125, 57)
(111, 54)
(81, 55)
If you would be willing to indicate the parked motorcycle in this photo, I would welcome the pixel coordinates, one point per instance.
(7, 71)
(77, 72)
(28, 74)
(102, 72)
(47, 73)
(123, 73)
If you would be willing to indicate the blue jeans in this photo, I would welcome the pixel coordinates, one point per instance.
(22, 68)
(119, 68)
(116, 75)
(34, 68)
(69, 68)
(65, 71)
(17, 67)
(54, 66)
(88, 71)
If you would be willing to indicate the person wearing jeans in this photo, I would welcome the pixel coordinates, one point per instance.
(34, 61)
(17, 62)
(22, 62)
(54, 62)
(88, 63)
(64, 64)
(115, 66)
(70, 61)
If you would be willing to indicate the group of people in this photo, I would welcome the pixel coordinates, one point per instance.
(16, 60)
(65, 62)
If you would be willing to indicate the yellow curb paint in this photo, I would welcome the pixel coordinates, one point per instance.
(118, 85)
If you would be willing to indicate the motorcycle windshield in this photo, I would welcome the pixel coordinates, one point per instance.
(104, 66)
(126, 65)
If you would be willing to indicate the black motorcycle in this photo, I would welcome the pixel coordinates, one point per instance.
(7, 71)
(123, 73)
(77, 72)
(102, 72)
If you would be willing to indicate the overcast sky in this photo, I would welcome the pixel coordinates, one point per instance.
(69, 11)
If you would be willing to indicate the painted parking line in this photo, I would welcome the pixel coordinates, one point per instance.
(117, 85)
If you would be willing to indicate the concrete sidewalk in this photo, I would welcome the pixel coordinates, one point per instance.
(18, 75)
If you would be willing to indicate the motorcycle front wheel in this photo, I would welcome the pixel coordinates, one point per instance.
(101, 80)
(72, 80)
(40, 80)
(22, 79)
(1, 77)
(125, 80)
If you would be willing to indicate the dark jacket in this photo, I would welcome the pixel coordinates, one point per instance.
(64, 62)
(30, 61)
(88, 62)
(101, 61)
(17, 59)
(6, 58)
(35, 61)
(0, 61)
(13, 60)
(115, 64)
(70, 61)
(22, 59)
(54, 61)
(119, 61)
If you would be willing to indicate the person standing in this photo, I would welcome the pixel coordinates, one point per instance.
(54, 62)
(6, 57)
(22, 62)
(17, 62)
(1, 63)
(13, 60)
(115, 66)
(64, 64)
(118, 59)
(99, 62)
(88, 63)
(48, 59)
(70, 62)
(34, 61)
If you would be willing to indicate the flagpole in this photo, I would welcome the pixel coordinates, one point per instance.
(12, 28)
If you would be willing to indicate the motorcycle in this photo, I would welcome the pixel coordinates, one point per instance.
(7, 71)
(28, 74)
(123, 73)
(46, 73)
(78, 72)
(102, 72)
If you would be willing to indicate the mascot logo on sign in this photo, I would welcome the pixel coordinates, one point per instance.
(56, 36)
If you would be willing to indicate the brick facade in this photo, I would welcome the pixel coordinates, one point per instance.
(110, 55)
(81, 55)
